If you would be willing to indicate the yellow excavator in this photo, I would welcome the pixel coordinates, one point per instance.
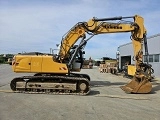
(56, 73)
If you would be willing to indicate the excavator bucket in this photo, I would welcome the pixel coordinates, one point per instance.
(137, 86)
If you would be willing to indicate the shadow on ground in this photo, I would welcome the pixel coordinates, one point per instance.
(105, 83)
(102, 84)
(93, 92)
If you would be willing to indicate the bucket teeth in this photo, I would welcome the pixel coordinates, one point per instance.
(126, 89)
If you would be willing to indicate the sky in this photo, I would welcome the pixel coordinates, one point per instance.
(38, 25)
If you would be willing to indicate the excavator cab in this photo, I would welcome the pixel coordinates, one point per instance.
(78, 61)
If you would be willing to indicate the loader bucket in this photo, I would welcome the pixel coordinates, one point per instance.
(136, 86)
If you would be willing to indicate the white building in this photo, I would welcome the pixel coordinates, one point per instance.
(126, 54)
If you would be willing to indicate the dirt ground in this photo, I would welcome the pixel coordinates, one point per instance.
(106, 101)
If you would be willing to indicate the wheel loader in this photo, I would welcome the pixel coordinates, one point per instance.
(56, 73)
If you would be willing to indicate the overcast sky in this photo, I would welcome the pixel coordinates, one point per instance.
(38, 25)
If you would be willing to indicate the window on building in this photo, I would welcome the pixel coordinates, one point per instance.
(156, 58)
(145, 58)
(150, 58)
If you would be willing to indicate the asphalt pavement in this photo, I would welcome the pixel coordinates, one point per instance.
(106, 101)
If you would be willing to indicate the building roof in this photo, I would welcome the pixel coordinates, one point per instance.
(147, 39)
(153, 36)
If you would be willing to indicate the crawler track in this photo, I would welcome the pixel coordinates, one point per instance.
(69, 85)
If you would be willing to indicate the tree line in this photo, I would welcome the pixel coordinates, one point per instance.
(5, 58)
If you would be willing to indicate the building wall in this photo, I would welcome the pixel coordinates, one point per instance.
(154, 44)
(125, 50)
(153, 49)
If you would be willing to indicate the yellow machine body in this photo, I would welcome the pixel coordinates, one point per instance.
(37, 64)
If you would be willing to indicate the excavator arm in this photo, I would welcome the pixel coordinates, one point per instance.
(140, 82)
(97, 26)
